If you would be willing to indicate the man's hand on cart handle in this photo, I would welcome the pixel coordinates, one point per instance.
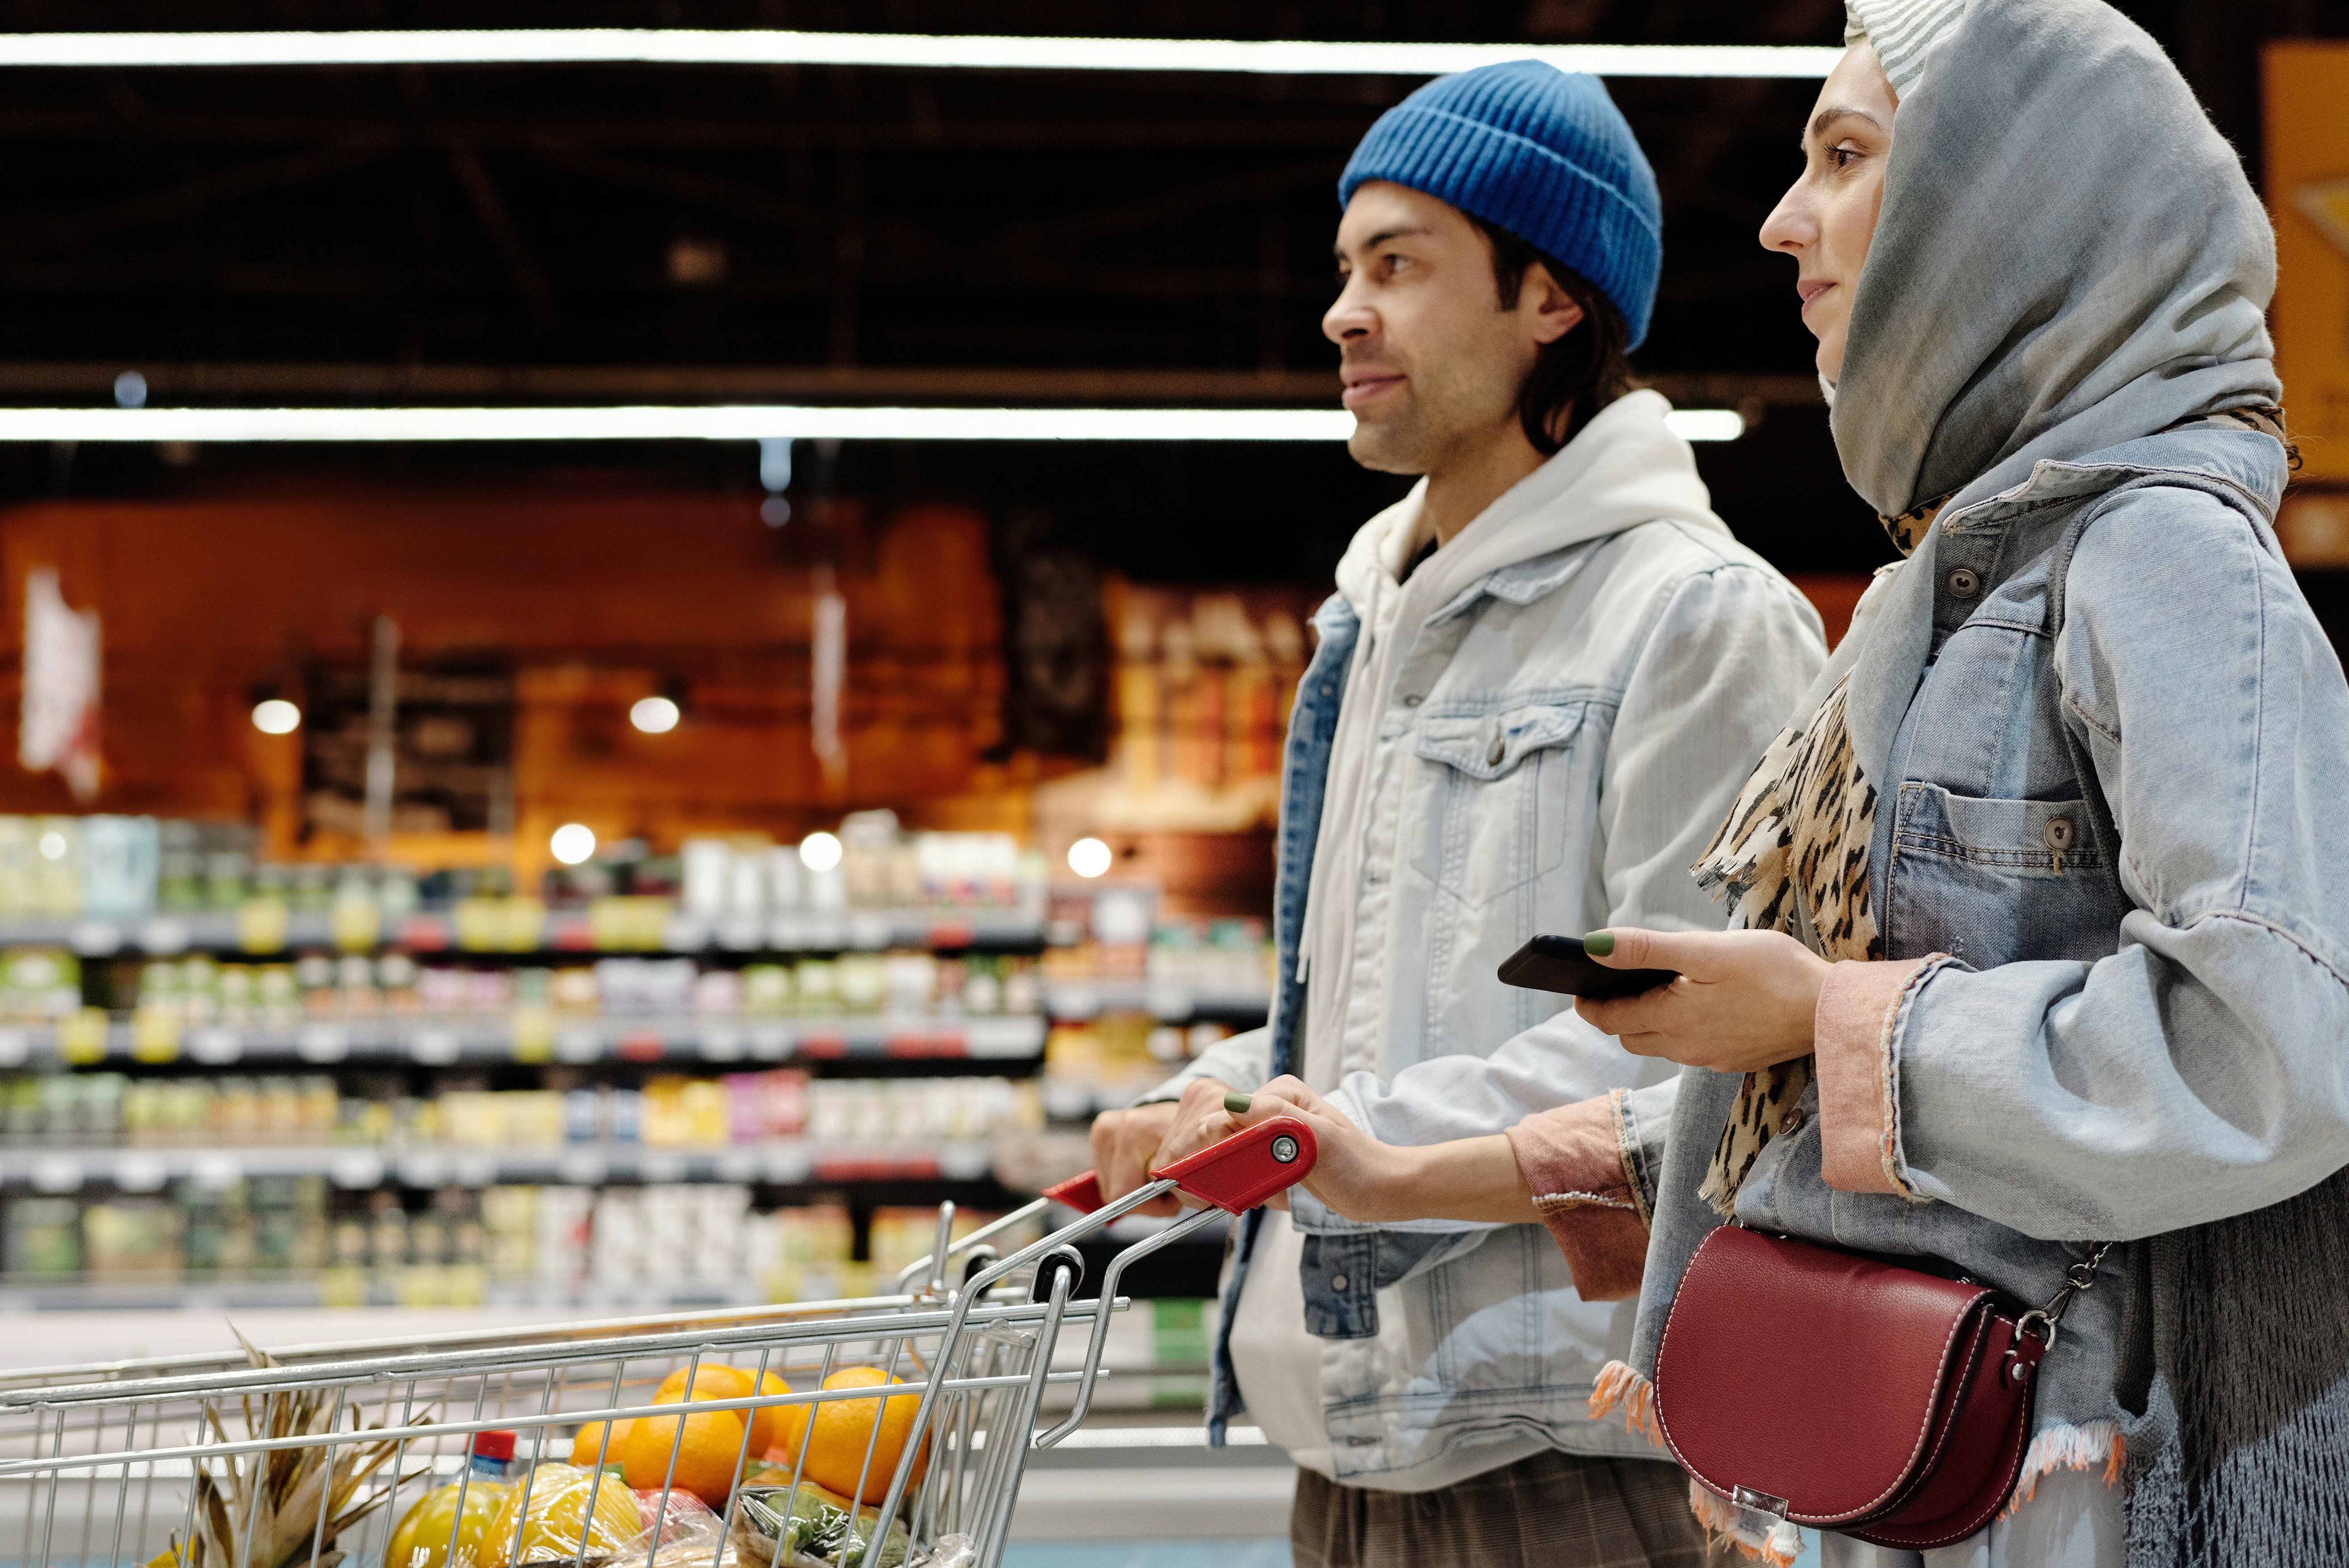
(1131, 1145)
(1236, 1174)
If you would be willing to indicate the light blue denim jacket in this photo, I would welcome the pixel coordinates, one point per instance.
(2079, 1065)
(1585, 716)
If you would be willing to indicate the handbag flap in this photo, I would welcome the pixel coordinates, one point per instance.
(1809, 1375)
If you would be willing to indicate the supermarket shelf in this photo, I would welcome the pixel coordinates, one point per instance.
(1167, 1001)
(783, 1161)
(535, 931)
(445, 1042)
(376, 1289)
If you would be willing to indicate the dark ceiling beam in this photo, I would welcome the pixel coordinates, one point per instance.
(745, 201)
(490, 211)
(1163, 204)
(33, 235)
(199, 383)
(1239, 133)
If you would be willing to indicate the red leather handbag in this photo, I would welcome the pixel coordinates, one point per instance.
(1837, 1391)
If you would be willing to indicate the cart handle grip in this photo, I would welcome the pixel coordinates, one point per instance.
(1235, 1175)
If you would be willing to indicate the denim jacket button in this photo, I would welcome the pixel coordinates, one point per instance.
(1791, 1122)
(1414, 701)
(1495, 752)
(2058, 832)
(1337, 1282)
(1963, 584)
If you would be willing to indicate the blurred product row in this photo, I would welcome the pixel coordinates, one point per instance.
(45, 984)
(125, 869)
(555, 1241)
(99, 1110)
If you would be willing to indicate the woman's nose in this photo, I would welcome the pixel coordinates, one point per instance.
(1790, 226)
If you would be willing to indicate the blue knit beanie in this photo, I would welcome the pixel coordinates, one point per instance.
(1539, 153)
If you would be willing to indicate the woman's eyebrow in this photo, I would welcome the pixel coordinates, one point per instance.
(1828, 116)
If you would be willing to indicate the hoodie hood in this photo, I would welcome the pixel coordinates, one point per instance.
(2068, 256)
(1624, 468)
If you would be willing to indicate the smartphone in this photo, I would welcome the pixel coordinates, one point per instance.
(1559, 963)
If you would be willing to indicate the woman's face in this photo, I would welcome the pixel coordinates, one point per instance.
(1827, 216)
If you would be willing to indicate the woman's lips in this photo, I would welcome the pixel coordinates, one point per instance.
(1363, 388)
(1812, 292)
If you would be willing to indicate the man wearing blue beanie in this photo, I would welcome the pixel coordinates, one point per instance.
(1542, 679)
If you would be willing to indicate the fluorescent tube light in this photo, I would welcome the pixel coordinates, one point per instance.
(720, 423)
(1706, 424)
(580, 45)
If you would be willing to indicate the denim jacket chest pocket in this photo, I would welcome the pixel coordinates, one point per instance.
(1996, 881)
(1500, 796)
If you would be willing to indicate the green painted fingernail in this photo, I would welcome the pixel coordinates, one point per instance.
(1238, 1104)
(1598, 944)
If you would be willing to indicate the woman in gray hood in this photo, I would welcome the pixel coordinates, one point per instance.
(2041, 903)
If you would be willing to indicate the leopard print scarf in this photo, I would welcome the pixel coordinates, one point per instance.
(1793, 857)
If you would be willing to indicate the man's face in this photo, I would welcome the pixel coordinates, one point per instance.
(1432, 360)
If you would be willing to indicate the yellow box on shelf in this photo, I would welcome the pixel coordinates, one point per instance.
(533, 1035)
(260, 925)
(81, 1036)
(624, 924)
(500, 925)
(155, 1035)
(356, 924)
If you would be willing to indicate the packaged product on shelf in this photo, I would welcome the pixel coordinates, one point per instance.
(767, 990)
(617, 1244)
(57, 867)
(811, 1247)
(565, 1222)
(862, 979)
(815, 987)
(45, 1238)
(510, 1227)
(119, 866)
(39, 984)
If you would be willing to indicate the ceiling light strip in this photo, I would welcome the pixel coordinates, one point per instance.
(694, 46)
(739, 423)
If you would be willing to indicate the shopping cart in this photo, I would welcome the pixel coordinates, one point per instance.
(310, 1457)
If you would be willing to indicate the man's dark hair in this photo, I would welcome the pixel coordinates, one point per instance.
(1580, 373)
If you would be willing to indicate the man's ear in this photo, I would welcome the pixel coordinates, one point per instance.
(1555, 311)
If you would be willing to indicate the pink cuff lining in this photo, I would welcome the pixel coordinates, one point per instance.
(1852, 1035)
(1572, 1162)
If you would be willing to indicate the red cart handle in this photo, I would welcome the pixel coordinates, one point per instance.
(1236, 1175)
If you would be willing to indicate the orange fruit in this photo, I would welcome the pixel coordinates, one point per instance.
(767, 1425)
(707, 1454)
(590, 1442)
(717, 1381)
(710, 1381)
(836, 1433)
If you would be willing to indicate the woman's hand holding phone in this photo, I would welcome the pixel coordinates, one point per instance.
(1743, 1000)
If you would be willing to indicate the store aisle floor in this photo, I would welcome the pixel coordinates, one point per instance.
(1265, 1554)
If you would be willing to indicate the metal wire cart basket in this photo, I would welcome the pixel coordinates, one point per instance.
(734, 1440)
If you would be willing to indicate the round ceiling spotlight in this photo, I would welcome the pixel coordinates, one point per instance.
(1090, 857)
(276, 716)
(572, 843)
(654, 715)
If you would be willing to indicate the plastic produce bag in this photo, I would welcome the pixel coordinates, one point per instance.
(813, 1535)
(552, 1510)
(691, 1534)
(421, 1540)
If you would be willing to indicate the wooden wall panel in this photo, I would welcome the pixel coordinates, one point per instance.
(595, 598)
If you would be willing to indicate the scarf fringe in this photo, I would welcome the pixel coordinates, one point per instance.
(1619, 1385)
(2071, 1448)
(1724, 1520)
